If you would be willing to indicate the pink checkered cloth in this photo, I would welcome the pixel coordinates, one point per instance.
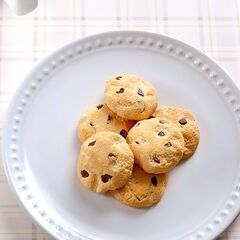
(210, 25)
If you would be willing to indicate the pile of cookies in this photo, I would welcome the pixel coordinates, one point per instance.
(129, 146)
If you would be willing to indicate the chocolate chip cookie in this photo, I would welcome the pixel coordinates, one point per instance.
(130, 97)
(101, 118)
(157, 145)
(187, 124)
(142, 189)
(105, 162)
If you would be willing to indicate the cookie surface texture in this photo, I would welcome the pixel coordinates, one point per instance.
(130, 97)
(142, 189)
(101, 118)
(189, 128)
(157, 145)
(105, 162)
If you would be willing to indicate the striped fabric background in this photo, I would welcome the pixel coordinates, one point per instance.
(210, 25)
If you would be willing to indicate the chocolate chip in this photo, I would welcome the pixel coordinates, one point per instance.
(161, 133)
(118, 77)
(84, 173)
(137, 142)
(106, 177)
(168, 144)
(91, 124)
(112, 155)
(109, 119)
(139, 199)
(151, 117)
(121, 90)
(161, 121)
(140, 92)
(124, 133)
(156, 159)
(92, 143)
(183, 121)
(137, 124)
(99, 106)
(154, 181)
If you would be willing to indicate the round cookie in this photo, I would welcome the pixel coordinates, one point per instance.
(130, 97)
(142, 189)
(101, 118)
(105, 162)
(157, 145)
(189, 128)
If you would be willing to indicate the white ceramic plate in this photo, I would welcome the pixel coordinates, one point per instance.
(40, 145)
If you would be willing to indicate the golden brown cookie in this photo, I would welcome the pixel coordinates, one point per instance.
(189, 128)
(105, 162)
(157, 145)
(101, 118)
(142, 189)
(130, 97)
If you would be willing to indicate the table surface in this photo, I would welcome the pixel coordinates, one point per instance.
(210, 25)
